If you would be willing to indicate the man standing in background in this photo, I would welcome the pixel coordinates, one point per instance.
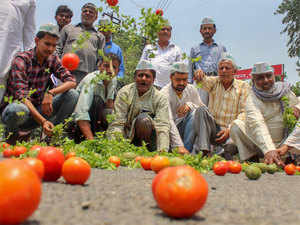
(63, 16)
(17, 31)
(88, 53)
(162, 55)
(207, 54)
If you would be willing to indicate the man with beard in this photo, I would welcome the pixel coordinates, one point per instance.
(110, 46)
(28, 102)
(208, 54)
(263, 130)
(162, 55)
(141, 111)
(96, 97)
(63, 16)
(183, 101)
(227, 102)
(88, 53)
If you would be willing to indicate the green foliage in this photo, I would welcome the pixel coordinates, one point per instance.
(296, 88)
(289, 119)
(290, 9)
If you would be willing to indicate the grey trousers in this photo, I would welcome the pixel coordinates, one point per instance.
(205, 130)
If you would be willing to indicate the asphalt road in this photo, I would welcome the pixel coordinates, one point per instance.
(124, 197)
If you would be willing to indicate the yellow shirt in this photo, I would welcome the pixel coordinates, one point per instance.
(225, 105)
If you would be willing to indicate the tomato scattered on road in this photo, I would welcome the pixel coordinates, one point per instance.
(180, 191)
(76, 170)
(115, 160)
(290, 169)
(20, 191)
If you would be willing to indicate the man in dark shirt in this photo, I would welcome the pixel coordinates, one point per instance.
(28, 102)
(88, 53)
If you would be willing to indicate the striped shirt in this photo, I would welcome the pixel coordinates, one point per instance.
(27, 74)
(225, 105)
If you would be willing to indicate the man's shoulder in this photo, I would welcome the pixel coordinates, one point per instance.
(242, 84)
(127, 88)
(25, 55)
(166, 89)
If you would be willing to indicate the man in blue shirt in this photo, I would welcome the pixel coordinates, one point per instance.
(110, 46)
(206, 55)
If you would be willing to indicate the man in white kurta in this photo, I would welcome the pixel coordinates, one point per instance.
(263, 129)
(17, 32)
(183, 101)
(162, 55)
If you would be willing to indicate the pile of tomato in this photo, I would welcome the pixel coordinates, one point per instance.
(20, 179)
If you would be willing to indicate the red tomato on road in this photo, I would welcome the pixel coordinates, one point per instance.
(19, 150)
(70, 155)
(76, 170)
(180, 191)
(115, 160)
(159, 162)
(220, 168)
(112, 2)
(146, 163)
(70, 61)
(37, 165)
(20, 191)
(235, 167)
(53, 160)
(290, 169)
(159, 12)
(7, 153)
(298, 168)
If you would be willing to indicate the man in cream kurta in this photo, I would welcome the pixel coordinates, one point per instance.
(263, 129)
(183, 101)
(141, 111)
(227, 97)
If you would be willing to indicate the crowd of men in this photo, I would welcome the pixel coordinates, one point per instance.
(193, 105)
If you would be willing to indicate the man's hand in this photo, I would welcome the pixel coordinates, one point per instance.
(273, 157)
(47, 127)
(283, 149)
(223, 135)
(183, 110)
(182, 150)
(198, 75)
(296, 112)
(47, 104)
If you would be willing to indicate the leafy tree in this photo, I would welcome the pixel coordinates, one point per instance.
(291, 11)
(296, 88)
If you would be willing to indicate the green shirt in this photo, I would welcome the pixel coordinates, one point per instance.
(87, 89)
(128, 105)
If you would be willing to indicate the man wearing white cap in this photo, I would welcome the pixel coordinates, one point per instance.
(263, 129)
(207, 54)
(183, 101)
(162, 55)
(141, 111)
(227, 97)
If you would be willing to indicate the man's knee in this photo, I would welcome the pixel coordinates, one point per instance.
(235, 130)
(143, 126)
(71, 96)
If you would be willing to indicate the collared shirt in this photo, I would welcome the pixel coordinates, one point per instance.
(87, 89)
(225, 105)
(264, 120)
(17, 19)
(88, 54)
(210, 57)
(111, 47)
(27, 74)
(129, 104)
(162, 59)
(190, 97)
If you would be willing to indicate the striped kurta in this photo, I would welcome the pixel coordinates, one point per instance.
(225, 105)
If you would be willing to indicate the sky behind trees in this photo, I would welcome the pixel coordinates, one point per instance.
(248, 29)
